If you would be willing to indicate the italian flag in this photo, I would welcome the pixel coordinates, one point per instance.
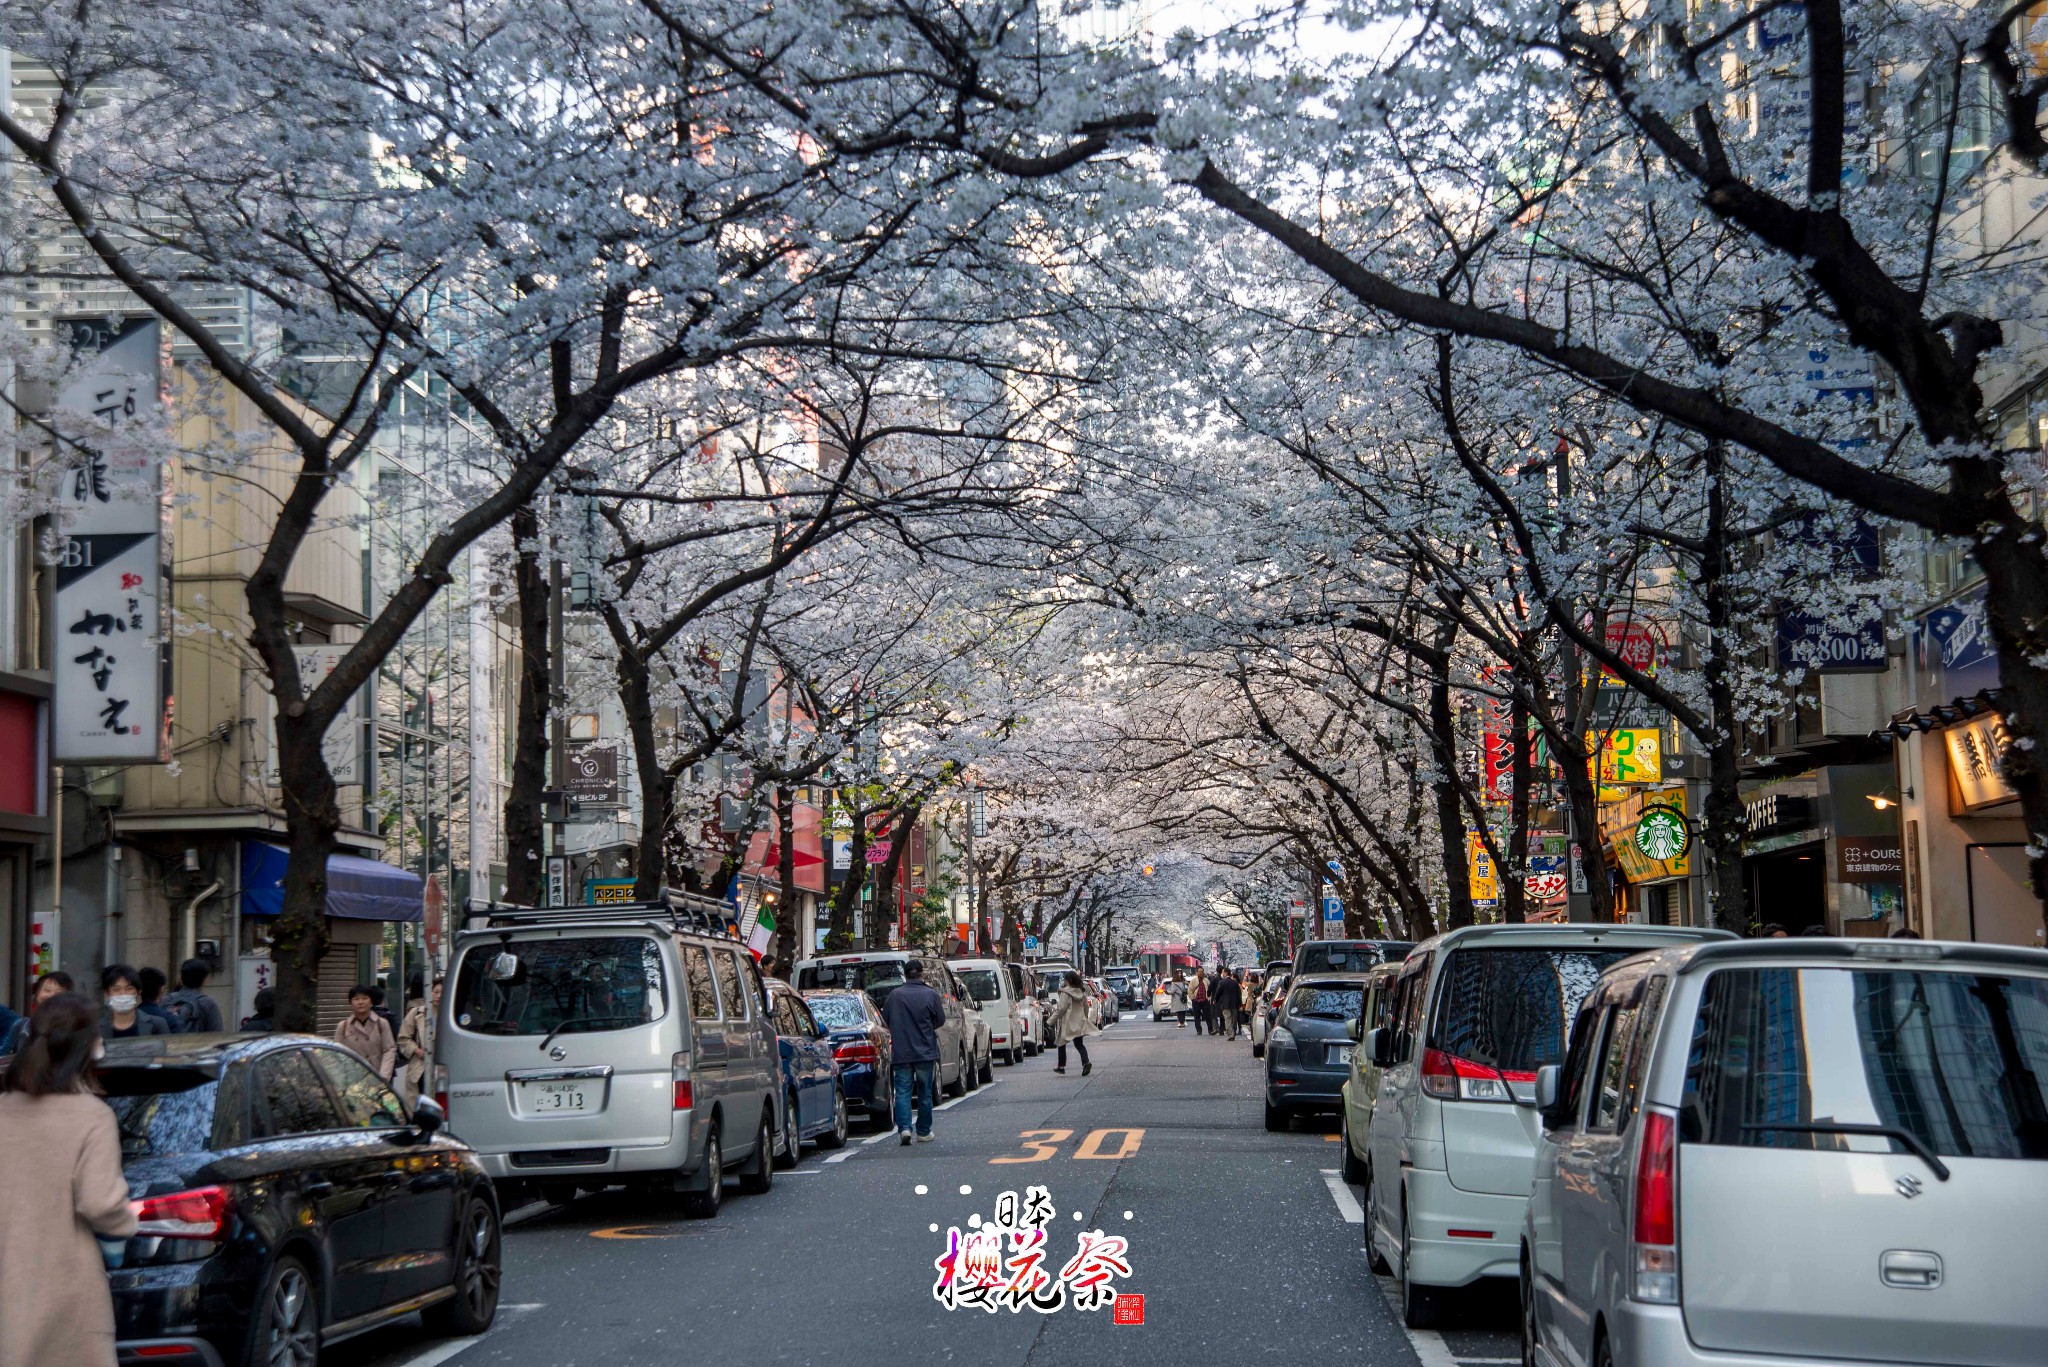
(763, 934)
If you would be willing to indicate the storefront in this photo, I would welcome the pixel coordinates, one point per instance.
(1649, 837)
(363, 897)
(24, 822)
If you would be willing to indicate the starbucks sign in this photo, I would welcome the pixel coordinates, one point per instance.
(1661, 833)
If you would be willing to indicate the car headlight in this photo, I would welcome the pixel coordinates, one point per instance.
(1281, 1035)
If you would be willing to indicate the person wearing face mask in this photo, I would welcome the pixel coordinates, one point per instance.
(64, 1192)
(124, 1017)
(47, 986)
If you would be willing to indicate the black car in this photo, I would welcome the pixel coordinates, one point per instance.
(1308, 1053)
(287, 1201)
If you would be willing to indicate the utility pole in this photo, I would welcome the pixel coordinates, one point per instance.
(558, 747)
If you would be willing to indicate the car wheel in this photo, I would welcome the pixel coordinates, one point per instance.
(1354, 1170)
(835, 1138)
(285, 1331)
(958, 1086)
(1276, 1118)
(1374, 1259)
(1419, 1304)
(1603, 1356)
(478, 1268)
(759, 1174)
(792, 1139)
(972, 1073)
(1528, 1315)
(988, 1068)
(1258, 1051)
(702, 1205)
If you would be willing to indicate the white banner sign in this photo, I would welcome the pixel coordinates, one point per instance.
(113, 656)
(343, 743)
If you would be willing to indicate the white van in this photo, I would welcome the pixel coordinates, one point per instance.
(596, 1045)
(990, 991)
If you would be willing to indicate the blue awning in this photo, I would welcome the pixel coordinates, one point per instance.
(357, 889)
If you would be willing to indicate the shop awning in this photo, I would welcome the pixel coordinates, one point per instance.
(357, 889)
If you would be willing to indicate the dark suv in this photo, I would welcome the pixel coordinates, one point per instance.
(287, 1201)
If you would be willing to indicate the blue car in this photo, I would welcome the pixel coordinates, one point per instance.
(860, 1045)
(813, 1101)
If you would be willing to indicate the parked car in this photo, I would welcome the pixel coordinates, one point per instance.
(1128, 984)
(287, 1202)
(1811, 1150)
(813, 1106)
(1363, 1086)
(1346, 956)
(1308, 1053)
(588, 1046)
(880, 972)
(981, 1040)
(1104, 999)
(1452, 1142)
(860, 1046)
(991, 993)
(1029, 1009)
(1266, 1010)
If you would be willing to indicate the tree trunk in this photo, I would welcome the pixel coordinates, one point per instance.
(787, 914)
(525, 840)
(1450, 813)
(839, 923)
(1724, 814)
(885, 881)
(313, 818)
(657, 783)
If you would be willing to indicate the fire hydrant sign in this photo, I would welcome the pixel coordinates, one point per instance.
(112, 661)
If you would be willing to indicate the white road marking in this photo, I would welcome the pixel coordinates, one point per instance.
(885, 1134)
(1347, 1204)
(441, 1352)
(840, 1157)
(948, 1105)
(1429, 1345)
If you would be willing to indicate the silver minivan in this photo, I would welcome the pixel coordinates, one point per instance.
(1452, 1138)
(589, 1046)
(1811, 1152)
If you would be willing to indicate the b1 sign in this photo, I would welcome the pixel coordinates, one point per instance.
(113, 654)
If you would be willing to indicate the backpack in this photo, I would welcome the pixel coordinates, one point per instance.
(184, 1013)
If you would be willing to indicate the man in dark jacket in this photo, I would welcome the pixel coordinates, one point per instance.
(915, 1013)
(1227, 998)
(192, 1011)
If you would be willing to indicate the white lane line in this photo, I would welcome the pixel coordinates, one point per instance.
(1340, 1191)
(885, 1134)
(1430, 1348)
(441, 1352)
(948, 1105)
(840, 1157)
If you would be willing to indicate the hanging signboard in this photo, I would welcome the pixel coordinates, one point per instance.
(1629, 754)
(1813, 641)
(1650, 835)
(591, 775)
(113, 662)
(1976, 757)
(1485, 883)
(1955, 641)
(343, 743)
(1640, 646)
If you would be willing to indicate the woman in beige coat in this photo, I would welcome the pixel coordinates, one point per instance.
(63, 1192)
(1071, 1020)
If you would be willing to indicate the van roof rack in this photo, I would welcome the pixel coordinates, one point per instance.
(683, 911)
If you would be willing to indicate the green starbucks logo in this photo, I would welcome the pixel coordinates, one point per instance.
(1662, 834)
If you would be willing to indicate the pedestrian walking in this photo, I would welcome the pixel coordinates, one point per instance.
(1200, 997)
(1229, 998)
(1073, 1023)
(416, 1046)
(1177, 999)
(46, 987)
(191, 1010)
(64, 1193)
(914, 1013)
(152, 982)
(366, 1032)
(123, 1018)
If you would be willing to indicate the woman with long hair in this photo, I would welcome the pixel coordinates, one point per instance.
(1072, 1021)
(64, 1192)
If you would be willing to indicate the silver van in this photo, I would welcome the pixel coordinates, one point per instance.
(588, 1046)
(1808, 1151)
(1452, 1138)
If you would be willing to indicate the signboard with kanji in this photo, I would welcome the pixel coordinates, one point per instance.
(112, 702)
(1485, 882)
(1629, 754)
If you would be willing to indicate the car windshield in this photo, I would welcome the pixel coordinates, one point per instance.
(1326, 1001)
(837, 1012)
(1957, 1060)
(161, 1110)
(1509, 1008)
(572, 986)
(980, 983)
(876, 977)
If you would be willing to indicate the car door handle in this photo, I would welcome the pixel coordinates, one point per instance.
(1909, 1269)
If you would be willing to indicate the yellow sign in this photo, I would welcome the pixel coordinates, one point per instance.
(1619, 822)
(1485, 883)
(1629, 754)
(1976, 756)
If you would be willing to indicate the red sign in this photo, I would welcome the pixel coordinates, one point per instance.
(1499, 751)
(878, 852)
(1127, 1309)
(1639, 644)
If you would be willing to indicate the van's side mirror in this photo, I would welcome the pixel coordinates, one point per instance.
(428, 1117)
(1357, 1028)
(1548, 1084)
(1380, 1044)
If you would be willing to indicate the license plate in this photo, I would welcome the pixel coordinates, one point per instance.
(547, 1098)
(1340, 1053)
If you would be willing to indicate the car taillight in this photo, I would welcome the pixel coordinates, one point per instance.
(1656, 1210)
(682, 1098)
(439, 1086)
(1460, 1079)
(857, 1053)
(201, 1213)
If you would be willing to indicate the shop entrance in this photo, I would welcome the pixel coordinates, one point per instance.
(1790, 887)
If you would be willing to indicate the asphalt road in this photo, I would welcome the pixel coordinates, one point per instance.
(1238, 1240)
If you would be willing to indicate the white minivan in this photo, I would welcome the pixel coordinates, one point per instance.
(1474, 1013)
(990, 991)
